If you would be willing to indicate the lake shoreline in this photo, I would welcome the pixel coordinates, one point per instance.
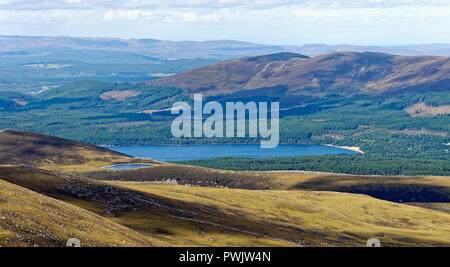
(174, 153)
(352, 148)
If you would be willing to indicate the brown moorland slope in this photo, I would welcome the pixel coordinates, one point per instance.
(31, 219)
(53, 153)
(342, 73)
(163, 221)
(312, 218)
(195, 216)
(391, 188)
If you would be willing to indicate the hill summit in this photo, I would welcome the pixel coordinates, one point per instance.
(343, 73)
(38, 150)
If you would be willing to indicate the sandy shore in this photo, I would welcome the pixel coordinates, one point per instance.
(352, 148)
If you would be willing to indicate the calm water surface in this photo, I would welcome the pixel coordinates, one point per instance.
(194, 152)
(128, 166)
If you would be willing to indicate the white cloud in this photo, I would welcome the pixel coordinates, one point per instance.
(164, 15)
(272, 21)
(43, 17)
(245, 4)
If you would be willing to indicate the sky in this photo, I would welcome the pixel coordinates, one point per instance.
(362, 22)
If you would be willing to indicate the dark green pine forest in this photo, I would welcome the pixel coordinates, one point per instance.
(395, 142)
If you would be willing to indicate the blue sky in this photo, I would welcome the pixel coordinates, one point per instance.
(369, 22)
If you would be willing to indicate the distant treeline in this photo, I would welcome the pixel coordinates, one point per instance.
(349, 164)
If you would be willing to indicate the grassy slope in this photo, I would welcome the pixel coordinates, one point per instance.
(191, 216)
(150, 219)
(182, 174)
(330, 218)
(52, 153)
(392, 188)
(327, 181)
(28, 218)
(445, 207)
(224, 217)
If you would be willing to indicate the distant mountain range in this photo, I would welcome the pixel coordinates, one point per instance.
(404, 50)
(32, 64)
(22, 46)
(343, 74)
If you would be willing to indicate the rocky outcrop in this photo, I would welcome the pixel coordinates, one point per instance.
(115, 199)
